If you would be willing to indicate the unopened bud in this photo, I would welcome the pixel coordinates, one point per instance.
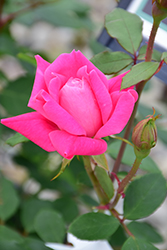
(144, 136)
(159, 10)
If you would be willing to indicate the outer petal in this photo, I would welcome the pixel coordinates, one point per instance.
(68, 145)
(55, 113)
(69, 64)
(102, 95)
(39, 78)
(120, 115)
(33, 126)
(114, 84)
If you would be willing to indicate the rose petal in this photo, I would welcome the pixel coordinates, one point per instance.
(120, 115)
(77, 98)
(54, 87)
(114, 84)
(68, 145)
(33, 126)
(39, 82)
(55, 113)
(102, 96)
(69, 64)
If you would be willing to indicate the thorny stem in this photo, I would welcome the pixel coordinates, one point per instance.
(149, 50)
(139, 89)
(98, 189)
(126, 180)
(130, 175)
(115, 213)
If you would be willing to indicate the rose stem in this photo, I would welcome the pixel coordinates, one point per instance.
(1, 8)
(115, 213)
(13, 15)
(139, 89)
(126, 180)
(98, 189)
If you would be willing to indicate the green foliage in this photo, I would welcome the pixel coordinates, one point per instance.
(156, 56)
(140, 196)
(104, 181)
(144, 231)
(137, 244)
(15, 139)
(59, 13)
(126, 28)
(94, 226)
(111, 62)
(23, 212)
(50, 226)
(18, 92)
(101, 161)
(140, 72)
(9, 200)
(164, 57)
(29, 210)
(147, 164)
(67, 207)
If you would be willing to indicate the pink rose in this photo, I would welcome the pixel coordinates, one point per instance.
(75, 106)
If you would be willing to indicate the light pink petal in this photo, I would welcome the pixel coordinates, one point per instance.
(115, 82)
(69, 64)
(120, 115)
(77, 98)
(39, 82)
(68, 145)
(33, 126)
(55, 113)
(102, 95)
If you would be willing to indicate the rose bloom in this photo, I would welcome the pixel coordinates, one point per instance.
(75, 106)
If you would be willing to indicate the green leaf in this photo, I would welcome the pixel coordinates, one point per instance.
(140, 196)
(50, 226)
(118, 238)
(8, 45)
(147, 164)
(33, 244)
(111, 62)
(137, 244)
(105, 182)
(27, 58)
(67, 207)
(156, 55)
(164, 57)
(15, 96)
(139, 72)
(29, 211)
(144, 231)
(15, 139)
(94, 226)
(126, 28)
(101, 161)
(88, 200)
(9, 200)
(60, 13)
(162, 134)
(65, 162)
(12, 245)
(7, 234)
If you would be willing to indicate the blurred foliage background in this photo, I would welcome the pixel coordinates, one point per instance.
(28, 199)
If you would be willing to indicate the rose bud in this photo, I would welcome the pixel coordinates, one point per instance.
(159, 10)
(144, 135)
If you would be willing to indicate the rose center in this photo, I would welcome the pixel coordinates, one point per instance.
(77, 98)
